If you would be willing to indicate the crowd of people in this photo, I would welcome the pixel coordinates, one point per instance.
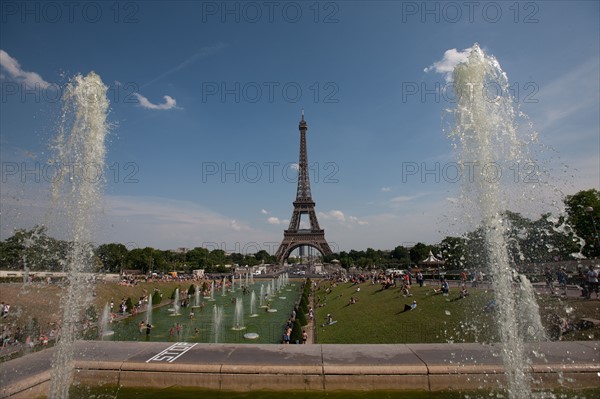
(586, 280)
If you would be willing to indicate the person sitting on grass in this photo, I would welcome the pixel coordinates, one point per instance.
(410, 307)
(405, 290)
(490, 306)
(463, 292)
(445, 287)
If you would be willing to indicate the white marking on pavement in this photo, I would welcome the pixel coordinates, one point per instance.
(172, 352)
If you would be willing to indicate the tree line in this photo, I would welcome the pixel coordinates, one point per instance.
(545, 239)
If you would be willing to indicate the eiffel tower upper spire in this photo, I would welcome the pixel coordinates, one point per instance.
(303, 193)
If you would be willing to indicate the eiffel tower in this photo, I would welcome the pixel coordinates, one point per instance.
(294, 236)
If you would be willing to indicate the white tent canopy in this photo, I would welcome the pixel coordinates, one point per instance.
(431, 259)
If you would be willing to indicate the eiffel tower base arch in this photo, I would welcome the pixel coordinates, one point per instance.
(293, 240)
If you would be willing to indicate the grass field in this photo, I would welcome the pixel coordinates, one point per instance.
(377, 317)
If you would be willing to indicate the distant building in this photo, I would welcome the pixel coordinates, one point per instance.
(180, 250)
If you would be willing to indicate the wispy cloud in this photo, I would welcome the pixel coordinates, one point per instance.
(169, 103)
(203, 52)
(12, 67)
(167, 223)
(566, 96)
(264, 211)
(386, 189)
(404, 198)
(451, 59)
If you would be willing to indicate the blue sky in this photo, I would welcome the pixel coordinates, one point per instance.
(201, 88)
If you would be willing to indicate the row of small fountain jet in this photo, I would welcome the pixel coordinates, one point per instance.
(267, 293)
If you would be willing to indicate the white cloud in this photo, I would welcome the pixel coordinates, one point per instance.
(236, 226)
(273, 220)
(340, 217)
(264, 211)
(386, 189)
(14, 70)
(169, 103)
(354, 219)
(451, 59)
(295, 166)
(333, 215)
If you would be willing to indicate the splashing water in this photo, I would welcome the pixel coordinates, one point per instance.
(217, 322)
(238, 317)
(80, 142)
(253, 304)
(262, 296)
(176, 303)
(149, 311)
(486, 135)
(105, 320)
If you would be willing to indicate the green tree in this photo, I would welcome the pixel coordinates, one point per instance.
(197, 257)
(296, 335)
(401, 255)
(264, 257)
(419, 252)
(112, 256)
(156, 298)
(453, 251)
(583, 210)
(34, 250)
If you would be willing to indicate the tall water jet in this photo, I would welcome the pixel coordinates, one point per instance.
(253, 304)
(149, 311)
(79, 142)
(217, 323)
(238, 317)
(223, 288)
(485, 133)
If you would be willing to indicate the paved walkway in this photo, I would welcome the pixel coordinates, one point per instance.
(425, 367)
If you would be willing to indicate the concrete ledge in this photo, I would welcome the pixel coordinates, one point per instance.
(425, 367)
(134, 379)
(28, 387)
(376, 382)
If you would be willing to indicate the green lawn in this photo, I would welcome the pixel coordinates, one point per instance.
(378, 317)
